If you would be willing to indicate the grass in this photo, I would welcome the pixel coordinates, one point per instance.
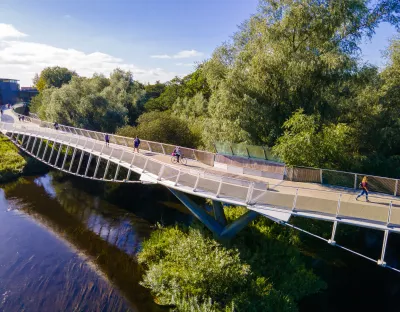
(11, 162)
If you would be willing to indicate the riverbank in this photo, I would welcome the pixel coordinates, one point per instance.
(12, 163)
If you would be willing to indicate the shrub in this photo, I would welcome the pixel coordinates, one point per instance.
(261, 271)
(12, 163)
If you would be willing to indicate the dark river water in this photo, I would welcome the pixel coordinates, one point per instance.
(64, 248)
(68, 244)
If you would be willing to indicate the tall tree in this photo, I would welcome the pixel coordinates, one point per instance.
(292, 54)
(53, 77)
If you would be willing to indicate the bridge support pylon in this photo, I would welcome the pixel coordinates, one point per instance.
(218, 224)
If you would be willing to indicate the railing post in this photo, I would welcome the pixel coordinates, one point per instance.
(381, 261)
(65, 158)
(58, 154)
(106, 171)
(389, 213)
(395, 187)
(52, 151)
(160, 173)
(249, 193)
(130, 168)
(27, 143)
(338, 205)
(80, 162)
(355, 181)
(219, 188)
(72, 160)
(33, 145)
(177, 178)
(45, 150)
(116, 172)
(332, 239)
(40, 145)
(295, 199)
(197, 182)
(97, 168)
(88, 164)
(23, 139)
(162, 147)
(320, 175)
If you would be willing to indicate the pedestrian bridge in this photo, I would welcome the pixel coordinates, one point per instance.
(83, 153)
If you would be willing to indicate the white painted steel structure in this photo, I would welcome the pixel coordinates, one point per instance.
(60, 150)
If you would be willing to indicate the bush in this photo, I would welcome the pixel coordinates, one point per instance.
(261, 271)
(12, 163)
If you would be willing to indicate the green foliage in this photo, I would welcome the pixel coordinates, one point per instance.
(12, 163)
(162, 127)
(308, 143)
(260, 271)
(127, 131)
(53, 77)
(95, 103)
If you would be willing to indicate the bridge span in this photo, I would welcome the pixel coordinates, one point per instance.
(83, 153)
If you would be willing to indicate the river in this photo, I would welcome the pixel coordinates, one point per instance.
(64, 248)
(68, 244)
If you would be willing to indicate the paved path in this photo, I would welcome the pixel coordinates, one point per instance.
(307, 199)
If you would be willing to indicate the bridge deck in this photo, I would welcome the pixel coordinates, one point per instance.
(290, 198)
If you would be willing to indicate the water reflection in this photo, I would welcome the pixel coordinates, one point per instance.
(38, 272)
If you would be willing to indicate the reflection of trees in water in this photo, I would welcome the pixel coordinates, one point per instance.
(112, 224)
(100, 231)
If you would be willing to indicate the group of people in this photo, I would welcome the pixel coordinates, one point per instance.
(136, 143)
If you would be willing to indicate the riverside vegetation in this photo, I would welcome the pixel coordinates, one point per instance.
(291, 78)
(260, 270)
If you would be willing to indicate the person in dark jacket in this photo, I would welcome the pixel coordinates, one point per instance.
(136, 144)
(107, 139)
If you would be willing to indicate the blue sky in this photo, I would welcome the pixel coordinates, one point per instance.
(98, 35)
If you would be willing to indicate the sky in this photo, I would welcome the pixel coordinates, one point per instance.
(155, 39)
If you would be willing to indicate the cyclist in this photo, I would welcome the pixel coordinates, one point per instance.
(177, 153)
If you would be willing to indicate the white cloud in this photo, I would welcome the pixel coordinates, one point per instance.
(8, 31)
(161, 56)
(22, 59)
(185, 64)
(179, 55)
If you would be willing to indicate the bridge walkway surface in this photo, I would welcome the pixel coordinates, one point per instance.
(273, 198)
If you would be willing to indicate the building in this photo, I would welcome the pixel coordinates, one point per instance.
(10, 92)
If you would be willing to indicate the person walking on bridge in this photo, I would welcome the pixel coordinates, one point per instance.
(107, 139)
(364, 186)
(136, 144)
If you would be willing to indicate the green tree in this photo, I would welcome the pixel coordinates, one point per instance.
(306, 142)
(291, 55)
(53, 77)
(162, 127)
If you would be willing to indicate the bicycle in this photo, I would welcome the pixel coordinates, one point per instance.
(182, 160)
